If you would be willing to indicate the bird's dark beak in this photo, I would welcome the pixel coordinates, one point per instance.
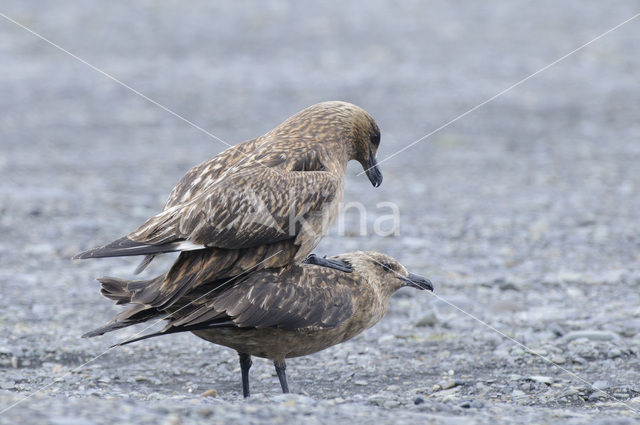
(372, 170)
(417, 281)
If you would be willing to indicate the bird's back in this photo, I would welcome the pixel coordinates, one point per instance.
(295, 312)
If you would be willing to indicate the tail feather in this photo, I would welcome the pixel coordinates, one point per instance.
(115, 289)
(124, 291)
(143, 265)
(170, 329)
(131, 316)
(124, 247)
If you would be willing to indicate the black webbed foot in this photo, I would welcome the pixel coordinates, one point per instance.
(327, 262)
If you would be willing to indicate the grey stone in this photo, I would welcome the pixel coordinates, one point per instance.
(472, 404)
(620, 420)
(593, 335)
(601, 385)
(598, 396)
(450, 383)
(427, 320)
(377, 399)
(542, 379)
(558, 359)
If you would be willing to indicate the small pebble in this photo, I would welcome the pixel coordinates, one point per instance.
(450, 384)
(204, 412)
(593, 335)
(598, 395)
(614, 352)
(601, 385)
(542, 379)
(471, 404)
(390, 404)
(386, 339)
(428, 320)
(518, 394)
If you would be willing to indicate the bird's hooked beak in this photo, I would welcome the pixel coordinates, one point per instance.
(417, 281)
(372, 170)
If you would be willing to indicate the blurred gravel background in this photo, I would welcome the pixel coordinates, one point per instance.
(524, 213)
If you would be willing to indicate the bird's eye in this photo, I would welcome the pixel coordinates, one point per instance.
(375, 138)
(387, 267)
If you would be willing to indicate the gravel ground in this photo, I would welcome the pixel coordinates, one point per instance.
(524, 213)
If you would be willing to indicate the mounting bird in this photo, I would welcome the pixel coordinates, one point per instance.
(263, 203)
(276, 314)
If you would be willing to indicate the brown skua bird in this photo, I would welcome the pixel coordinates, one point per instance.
(276, 314)
(263, 203)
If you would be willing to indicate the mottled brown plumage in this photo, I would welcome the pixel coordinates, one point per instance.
(264, 203)
(280, 313)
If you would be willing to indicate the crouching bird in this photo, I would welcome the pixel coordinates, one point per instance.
(279, 313)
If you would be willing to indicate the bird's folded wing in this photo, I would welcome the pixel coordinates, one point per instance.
(299, 297)
(208, 172)
(198, 177)
(248, 208)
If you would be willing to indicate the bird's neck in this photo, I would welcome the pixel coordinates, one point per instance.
(336, 155)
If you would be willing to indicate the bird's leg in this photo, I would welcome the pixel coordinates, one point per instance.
(327, 262)
(282, 376)
(245, 365)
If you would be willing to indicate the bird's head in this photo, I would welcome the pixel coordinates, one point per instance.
(384, 272)
(342, 123)
(364, 143)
